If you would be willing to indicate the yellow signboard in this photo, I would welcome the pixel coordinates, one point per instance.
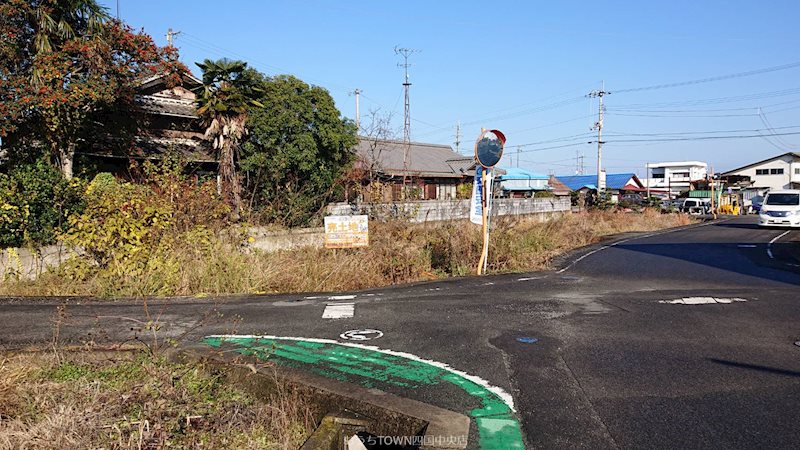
(346, 231)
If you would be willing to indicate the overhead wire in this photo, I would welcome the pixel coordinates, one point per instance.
(710, 79)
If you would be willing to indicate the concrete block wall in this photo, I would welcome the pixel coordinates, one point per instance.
(425, 211)
(25, 263)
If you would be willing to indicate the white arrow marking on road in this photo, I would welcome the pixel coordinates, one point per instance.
(361, 335)
(339, 311)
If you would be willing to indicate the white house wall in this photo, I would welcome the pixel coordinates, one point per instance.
(789, 165)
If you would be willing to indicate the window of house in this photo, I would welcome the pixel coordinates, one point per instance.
(797, 171)
(762, 171)
(680, 174)
(661, 175)
(776, 171)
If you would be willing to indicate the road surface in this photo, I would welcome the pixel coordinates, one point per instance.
(683, 338)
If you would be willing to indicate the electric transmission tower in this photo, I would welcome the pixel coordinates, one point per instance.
(579, 162)
(405, 53)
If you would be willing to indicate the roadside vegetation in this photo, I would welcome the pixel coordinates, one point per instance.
(133, 400)
(170, 236)
(69, 75)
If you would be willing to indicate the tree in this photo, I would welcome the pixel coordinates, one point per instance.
(298, 150)
(229, 90)
(66, 68)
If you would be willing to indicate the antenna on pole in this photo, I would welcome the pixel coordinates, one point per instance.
(117, 10)
(405, 53)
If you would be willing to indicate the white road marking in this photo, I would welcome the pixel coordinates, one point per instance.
(638, 237)
(339, 311)
(747, 246)
(361, 335)
(341, 297)
(311, 298)
(500, 392)
(702, 301)
(769, 246)
(529, 278)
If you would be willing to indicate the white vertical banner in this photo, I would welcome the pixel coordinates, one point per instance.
(476, 201)
(489, 183)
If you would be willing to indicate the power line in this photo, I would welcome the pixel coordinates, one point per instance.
(678, 117)
(716, 100)
(771, 129)
(711, 79)
(681, 133)
(701, 138)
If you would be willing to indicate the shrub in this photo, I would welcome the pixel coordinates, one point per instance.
(35, 201)
(130, 231)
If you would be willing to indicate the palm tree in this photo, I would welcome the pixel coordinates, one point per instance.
(228, 90)
(56, 21)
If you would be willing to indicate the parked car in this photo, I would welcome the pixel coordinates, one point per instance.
(695, 206)
(755, 204)
(631, 200)
(780, 209)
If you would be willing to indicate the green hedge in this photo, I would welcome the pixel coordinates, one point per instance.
(35, 201)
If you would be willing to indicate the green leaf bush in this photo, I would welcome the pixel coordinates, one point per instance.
(35, 202)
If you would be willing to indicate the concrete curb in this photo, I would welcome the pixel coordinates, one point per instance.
(391, 414)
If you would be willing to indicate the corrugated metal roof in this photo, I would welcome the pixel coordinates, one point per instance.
(613, 181)
(515, 173)
(430, 160)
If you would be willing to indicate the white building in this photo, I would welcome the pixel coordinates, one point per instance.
(675, 177)
(778, 172)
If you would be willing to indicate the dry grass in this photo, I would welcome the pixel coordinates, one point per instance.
(398, 253)
(135, 402)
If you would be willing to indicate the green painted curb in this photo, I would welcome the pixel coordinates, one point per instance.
(498, 427)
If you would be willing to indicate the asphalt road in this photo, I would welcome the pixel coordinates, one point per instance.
(619, 360)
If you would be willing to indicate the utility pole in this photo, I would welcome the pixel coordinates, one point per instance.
(647, 174)
(171, 37)
(357, 93)
(519, 147)
(458, 137)
(599, 127)
(405, 53)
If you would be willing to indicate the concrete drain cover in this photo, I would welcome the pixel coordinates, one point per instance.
(702, 301)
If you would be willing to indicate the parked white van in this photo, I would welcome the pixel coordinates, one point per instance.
(695, 205)
(781, 208)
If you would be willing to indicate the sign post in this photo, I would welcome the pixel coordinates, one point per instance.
(488, 151)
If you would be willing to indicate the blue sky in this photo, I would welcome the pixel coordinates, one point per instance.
(524, 67)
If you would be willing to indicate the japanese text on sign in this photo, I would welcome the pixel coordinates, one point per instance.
(346, 231)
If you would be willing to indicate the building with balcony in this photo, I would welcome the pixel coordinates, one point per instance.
(674, 177)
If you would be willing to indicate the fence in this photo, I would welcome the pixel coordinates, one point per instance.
(433, 210)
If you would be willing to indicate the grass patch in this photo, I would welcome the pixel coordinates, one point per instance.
(80, 400)
(399, 252)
